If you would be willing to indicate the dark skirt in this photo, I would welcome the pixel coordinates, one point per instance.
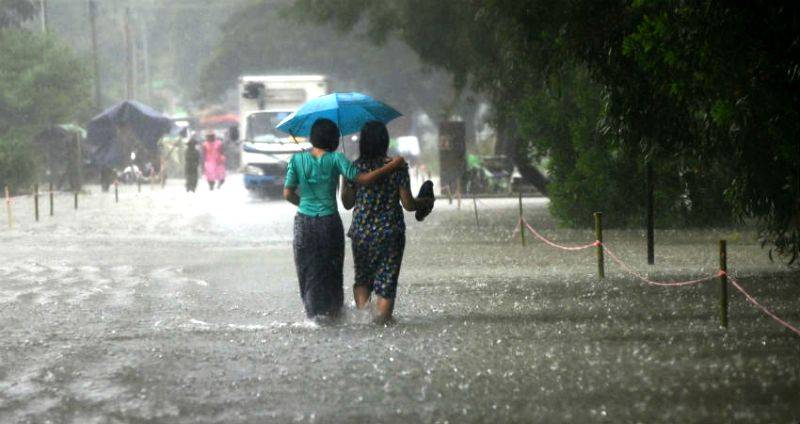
(319, 258)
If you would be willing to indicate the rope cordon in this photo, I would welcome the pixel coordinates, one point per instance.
(556, 245)
(763, 308)
(625, 267)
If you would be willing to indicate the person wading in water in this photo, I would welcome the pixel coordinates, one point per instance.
(378, 231)
(192, 163)
(318, 232)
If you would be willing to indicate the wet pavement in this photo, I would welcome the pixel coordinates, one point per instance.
(181, 308)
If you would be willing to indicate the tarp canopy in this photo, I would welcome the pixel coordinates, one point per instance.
(107, 133)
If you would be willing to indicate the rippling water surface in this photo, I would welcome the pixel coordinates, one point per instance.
(181, 308)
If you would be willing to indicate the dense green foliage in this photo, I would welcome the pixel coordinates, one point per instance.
(734, 68)
(41, 84)
(16, 163)
(707, 91)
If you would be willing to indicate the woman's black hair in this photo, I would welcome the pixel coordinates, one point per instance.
(325, 135)
(373, 142)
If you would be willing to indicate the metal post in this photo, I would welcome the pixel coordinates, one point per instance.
(36, 201)
(76, 199)
(129, 82)
(116, 191)
(598, 234)
(98, 98)
(521, 221)
(723, 284)
(43, 14)
(651, 256)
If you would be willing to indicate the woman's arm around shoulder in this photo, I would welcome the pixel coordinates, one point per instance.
(367, 178)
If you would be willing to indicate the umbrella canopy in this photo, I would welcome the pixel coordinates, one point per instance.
(146, 124)
(350, 111)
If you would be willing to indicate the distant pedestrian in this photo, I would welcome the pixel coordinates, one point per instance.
(378, 231)
(213, 161)
(318, 231)
(192, 164)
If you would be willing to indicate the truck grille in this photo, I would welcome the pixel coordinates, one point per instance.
(272, 168)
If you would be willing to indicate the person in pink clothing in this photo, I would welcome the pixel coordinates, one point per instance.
(213, 161)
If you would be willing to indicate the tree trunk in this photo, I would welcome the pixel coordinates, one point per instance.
(509, 144)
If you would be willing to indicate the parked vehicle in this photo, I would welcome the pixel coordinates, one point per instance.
(264, 101)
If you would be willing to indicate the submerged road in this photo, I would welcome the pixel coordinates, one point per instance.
(183, 308)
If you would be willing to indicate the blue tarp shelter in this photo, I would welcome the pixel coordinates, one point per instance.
(146, 124)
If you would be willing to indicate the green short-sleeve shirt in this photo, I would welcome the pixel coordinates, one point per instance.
(317, 178)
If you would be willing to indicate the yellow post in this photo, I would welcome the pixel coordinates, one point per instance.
(36, 201)
(458, 193)
(521, 222)
(475, 206)
(8, 208)
(598, 233)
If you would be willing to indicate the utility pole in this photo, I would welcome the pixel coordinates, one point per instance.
(43, 15)
(129, 87)
(146, 62)
(649, 204)
(98, 97)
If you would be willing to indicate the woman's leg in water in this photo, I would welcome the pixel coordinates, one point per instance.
(364, 273)
(384, 307)
(385, 284)
(211, 185)
(361, 296)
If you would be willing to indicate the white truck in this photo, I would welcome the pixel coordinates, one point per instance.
(264, 101)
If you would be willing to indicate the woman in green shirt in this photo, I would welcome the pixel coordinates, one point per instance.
(318, 231)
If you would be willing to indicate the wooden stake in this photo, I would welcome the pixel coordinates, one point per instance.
(51, 199)
(723, 284)
(598, 234)
(475, 206)
(36, 201)
(161, 173)
(458, 193)
(76, 199)
(116, 191)
(521, 222)
(8, 208)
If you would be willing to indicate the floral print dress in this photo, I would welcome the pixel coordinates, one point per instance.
(378, 231)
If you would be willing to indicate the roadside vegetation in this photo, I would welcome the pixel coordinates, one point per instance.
(708, 93)
(42, 83)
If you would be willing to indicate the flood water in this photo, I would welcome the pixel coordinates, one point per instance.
(168, 307)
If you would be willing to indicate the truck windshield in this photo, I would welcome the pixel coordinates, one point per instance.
(261, 127)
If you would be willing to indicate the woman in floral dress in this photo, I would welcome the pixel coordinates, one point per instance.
(378, 230)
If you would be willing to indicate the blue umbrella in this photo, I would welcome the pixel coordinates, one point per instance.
(350, 111)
